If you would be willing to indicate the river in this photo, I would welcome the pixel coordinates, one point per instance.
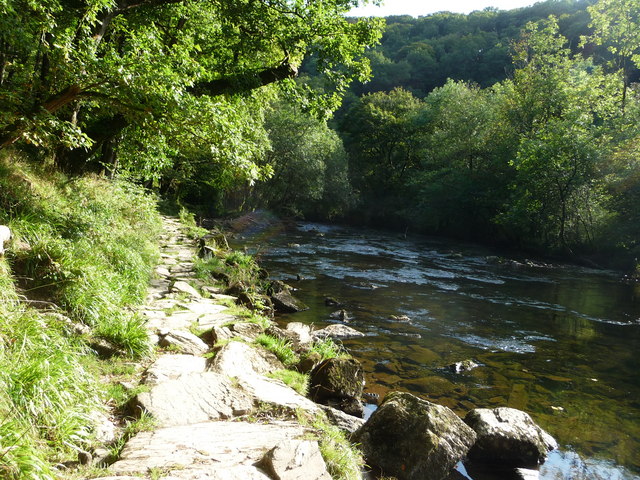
(560, 342)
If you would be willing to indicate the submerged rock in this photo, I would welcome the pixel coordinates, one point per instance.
(509, 437)
(341, 315)
(463, 366)
(413, 439)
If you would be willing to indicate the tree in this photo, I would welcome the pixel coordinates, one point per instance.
(558, 106)
(309, 166)
(616, 24)
(382, 139)
(463, 174)
(147, 67)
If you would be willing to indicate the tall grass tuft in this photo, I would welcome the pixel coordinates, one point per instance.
(86, 246)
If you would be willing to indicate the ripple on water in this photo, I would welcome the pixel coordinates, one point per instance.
(510, 344)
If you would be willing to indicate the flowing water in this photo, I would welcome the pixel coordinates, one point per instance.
(560, 342)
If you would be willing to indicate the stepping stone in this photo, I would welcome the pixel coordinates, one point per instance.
(204, 307)
(184, 287)
(195, 398)
(212, 450)
(170, 367)
(186, 342)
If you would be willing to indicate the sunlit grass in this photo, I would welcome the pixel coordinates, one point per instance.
(88, 247)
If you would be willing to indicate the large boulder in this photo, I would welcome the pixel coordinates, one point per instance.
(413, 439)
(509, 437)
(338, 382)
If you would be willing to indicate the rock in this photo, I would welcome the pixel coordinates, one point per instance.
(184, 287)
(339, 380)
(308, 362)
(104, 429)
(237, 359)
(102, 457)
(337, 331)
(247, 331)
(342, 420)
(332, 302)
(413, 439)
(211, 450)
(341, 315)
(217, 335)
(194, 398)
(301, 333)
(296, 460)
(163, 272)
(85, 458)
(204, 307)
(104, 348)
(400, 318)
(284, 302)
(509, 437)
(169, 367)
(351, 406)
(280, 334)
(186, 342)
(269, 391)
(463, 366)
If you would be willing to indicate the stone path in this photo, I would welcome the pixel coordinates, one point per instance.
(201, 406)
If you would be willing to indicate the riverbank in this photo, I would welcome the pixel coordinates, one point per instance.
(214, 400)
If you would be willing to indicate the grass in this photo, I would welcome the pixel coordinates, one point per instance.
(344, 461)
(191, 228)
(296, 380)
(281, 348)
(87, 246)
(328, 348)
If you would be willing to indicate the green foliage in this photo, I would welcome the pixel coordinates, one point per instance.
(544, 159)
(281, 348)
(421, 54)
(146, 86)
(328, 348)
(89, 245)
(188, 221)
(309, 166)
(296, 380)
(46, 393)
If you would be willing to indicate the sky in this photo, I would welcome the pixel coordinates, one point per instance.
(425, 7)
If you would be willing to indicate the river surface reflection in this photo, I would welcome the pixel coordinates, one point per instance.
(560, 342)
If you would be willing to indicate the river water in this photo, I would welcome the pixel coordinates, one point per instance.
(560, 342)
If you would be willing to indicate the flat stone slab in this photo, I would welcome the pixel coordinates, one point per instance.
(170, 367)
(237, 359)
(185, 342)
(184, 287)
(211, 450)
(204, 307)
(195, 398)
